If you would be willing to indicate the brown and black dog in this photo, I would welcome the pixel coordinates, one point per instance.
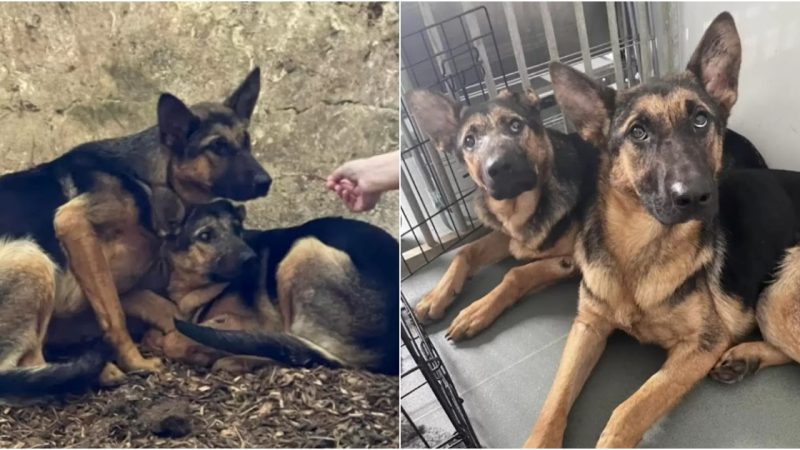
(77, 231)
(321, 293)
(535, 187)
(675, 251)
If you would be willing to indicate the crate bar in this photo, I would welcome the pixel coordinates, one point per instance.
(438, 166)
(516, 43)
(583, 38)
(613, 31)
(644, 41)
(437, 46)
(475, 30)
(416, 211)
(549, 31)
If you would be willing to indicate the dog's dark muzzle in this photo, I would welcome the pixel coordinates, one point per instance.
(684, 200)
(235, 260)
(245, 179)
(508, 176)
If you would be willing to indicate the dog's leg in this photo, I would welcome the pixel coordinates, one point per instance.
(778, 314)
(485, 251)
(518, 282)
(27, 296)
(687, 363)
(151, 308)
(745, 359)
(88, 263)
(585, 343)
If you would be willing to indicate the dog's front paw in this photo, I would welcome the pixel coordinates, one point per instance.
(141, 364)
(111, 376)
(432, 307)
(473, 319)
(731, 369)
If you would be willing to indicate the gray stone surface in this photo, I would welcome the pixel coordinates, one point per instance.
(70, 73)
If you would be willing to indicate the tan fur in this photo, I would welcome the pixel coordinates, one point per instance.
(510, 239)
(24, 318)
(778, 314)
(104, 244)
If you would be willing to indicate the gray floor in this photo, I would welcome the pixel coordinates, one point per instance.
(504, 375)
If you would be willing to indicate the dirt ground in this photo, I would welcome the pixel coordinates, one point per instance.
(72, 73)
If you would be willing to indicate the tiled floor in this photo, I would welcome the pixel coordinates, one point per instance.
(504, 375)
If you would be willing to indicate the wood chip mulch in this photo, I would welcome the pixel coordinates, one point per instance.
(189, 407)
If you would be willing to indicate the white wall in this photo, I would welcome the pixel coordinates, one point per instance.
(768, 109)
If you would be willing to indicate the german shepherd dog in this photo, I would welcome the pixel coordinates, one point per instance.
(78, 229)
(321, 293)
(675, 252)
(533, 182)
(536, 185)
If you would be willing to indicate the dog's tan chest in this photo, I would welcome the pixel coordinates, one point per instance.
(514, 214)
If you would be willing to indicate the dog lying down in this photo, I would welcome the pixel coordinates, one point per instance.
(322, 293)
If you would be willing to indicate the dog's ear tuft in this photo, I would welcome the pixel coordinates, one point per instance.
(586, 103)
(437, 116)
(175, 122)
(529, 98)
(244, 98)
(717, 59)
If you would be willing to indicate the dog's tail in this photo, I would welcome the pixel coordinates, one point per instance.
(281, 347)
(70, 377)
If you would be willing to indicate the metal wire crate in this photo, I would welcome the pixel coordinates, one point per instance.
(464, 56)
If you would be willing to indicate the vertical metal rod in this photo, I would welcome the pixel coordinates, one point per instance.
(408, 194)
(583, 38)
(436, 44)
(648, 8)
(475, 30)
(449, 193)
(516, 43)
(549, 31)
(437, 47)
(644, 41)
(613, 31)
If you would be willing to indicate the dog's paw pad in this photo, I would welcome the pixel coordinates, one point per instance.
(732, 370)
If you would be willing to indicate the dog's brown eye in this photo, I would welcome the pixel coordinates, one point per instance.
(205, 236)
(638, 132)
(515, 126)
(221, 148)
(469, 141)
(700, 120)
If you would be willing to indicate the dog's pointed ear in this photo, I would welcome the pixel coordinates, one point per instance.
(586, 103)
(244, 98)
(716, 61)
(175, 122)
(529, 98)
(437, 116)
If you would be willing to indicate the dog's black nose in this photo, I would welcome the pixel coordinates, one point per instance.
(262, 182)
(499, 167)
(690, 195)
(247, 257)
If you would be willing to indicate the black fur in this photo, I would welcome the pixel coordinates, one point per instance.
(374, 253)
(31, 197)
(759, 219)
(74, 376)
(281, 347)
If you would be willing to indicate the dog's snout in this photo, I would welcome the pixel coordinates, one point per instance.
(499, 167)
(247, 256)
(262, 182)
(689, 195)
